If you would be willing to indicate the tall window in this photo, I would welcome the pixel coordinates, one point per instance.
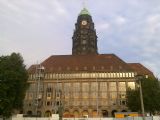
(122, 86)
(131, 85)
(49, 90)
(49, 87)
(122, 92)
(67, 89)
(103, 89)
(112, 86)
(85, 90)
(113, 93)
(58, 89)
(94, 90)
(49, 96)
(76, 90)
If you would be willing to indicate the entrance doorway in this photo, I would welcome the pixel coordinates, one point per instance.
(105, 113)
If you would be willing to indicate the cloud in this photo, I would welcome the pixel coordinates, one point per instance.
(120, 20)
(102, 26)
(153, 22)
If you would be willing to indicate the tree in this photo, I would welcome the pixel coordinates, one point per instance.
(13, 83)
(151, 96)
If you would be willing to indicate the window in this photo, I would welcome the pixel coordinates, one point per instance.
(102, 67)
(68, 68)
(76, 90)
(111, 75)
(127, 75)
(103, 75)
(50, 76)
(122, 102)
(114, 75)
(124, 74)
(94, 89)
(85, 68)
(131, 85)
(103, 86)
(103, 89)
(130, 75)
(29, 104)
(76, 68)
(85, 90)
(67, 89)
(94, 67)
(120, 75)
(122, 95)
(113, 102)
(113, 95)
(112, 86)
(111, 67)
(93, 75)
(48, 95)
(48, 103)
(122, 86)
(49, 87)
(59, 68)
(54, 76)
(120, 67)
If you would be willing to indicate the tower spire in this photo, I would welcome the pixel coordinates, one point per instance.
(84, 10)
(84, 3)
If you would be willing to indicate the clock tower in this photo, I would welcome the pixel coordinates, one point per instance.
(84, 37)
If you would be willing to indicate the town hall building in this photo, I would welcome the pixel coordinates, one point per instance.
(85, 83)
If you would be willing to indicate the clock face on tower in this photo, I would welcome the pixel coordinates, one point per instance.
(84, 22)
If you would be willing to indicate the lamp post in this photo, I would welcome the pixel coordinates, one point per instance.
(139, 78)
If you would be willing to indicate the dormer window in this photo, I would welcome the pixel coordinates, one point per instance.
(120, 67)
(94, 68)
(77, 68)
(68, 68)
(102, 67)
(85, 68)
(59, 68)
(111, 67)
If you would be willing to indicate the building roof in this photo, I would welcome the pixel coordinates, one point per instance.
(84, 11)
(90, 63)
(140, 69)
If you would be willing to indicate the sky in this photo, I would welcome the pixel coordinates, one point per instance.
(38, 29)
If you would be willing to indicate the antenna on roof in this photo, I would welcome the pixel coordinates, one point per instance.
(84, 3)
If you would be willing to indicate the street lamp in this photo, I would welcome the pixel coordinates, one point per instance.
(139, 79)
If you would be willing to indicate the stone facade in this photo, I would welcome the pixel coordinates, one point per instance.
(80, 93)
